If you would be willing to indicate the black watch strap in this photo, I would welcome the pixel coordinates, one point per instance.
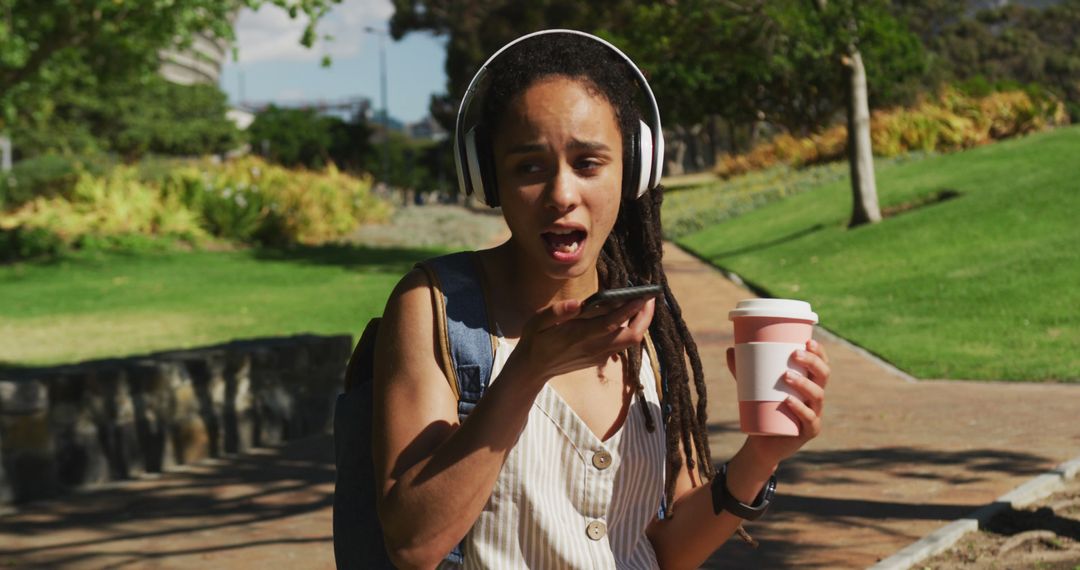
(722, 499)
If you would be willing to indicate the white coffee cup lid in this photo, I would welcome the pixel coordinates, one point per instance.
(780, 308)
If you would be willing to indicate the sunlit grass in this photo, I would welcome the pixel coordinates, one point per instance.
(104, 305)
(982, 286)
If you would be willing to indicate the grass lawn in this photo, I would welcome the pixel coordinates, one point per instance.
(982, 286)
(105, 305)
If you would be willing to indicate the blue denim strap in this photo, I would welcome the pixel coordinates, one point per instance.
(471, 344)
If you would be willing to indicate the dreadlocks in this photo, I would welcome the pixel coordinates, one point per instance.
(633, 252)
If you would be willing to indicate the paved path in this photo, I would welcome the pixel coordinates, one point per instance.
(897, 460)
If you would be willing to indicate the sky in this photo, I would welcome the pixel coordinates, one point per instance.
(273, 67)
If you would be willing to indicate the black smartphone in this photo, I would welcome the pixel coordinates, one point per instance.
(605, 301)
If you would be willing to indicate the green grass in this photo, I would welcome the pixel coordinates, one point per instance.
(113, 304)
(983, 286)
(696, 202)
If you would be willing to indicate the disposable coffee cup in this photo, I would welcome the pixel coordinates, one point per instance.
(767, 334)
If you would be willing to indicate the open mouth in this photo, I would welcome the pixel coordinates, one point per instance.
(564, 244)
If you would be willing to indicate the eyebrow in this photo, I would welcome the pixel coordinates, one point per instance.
(574, 145)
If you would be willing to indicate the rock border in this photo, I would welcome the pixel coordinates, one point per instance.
(945, 537)
(86, 424)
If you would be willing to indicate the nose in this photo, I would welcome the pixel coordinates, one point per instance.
(563, 192)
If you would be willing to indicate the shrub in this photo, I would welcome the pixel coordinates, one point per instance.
(953, 121)
(46, 175)
(28, 243)
(252, 201)
(246, 201)
(115, 204)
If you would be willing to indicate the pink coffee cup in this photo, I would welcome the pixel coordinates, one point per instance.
(767, 333)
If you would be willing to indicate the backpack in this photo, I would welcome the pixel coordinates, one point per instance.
(466, 346)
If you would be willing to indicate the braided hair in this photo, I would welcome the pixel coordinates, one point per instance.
(633, 252)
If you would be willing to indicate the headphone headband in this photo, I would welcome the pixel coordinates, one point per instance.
(470, 178)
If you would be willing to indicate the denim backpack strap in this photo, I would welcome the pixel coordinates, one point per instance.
(468, 334)
(654, 361)
(464, 336)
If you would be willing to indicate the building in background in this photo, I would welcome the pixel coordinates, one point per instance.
(427, 129)
(200, 62)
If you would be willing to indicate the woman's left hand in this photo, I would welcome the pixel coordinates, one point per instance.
(807, 408)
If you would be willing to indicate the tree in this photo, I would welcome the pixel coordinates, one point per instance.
(45, 44)
(131, 118)
(703, 60)
(303, 137)
(860, 153)
(476, 28)
(841, 33)
(1007, 48)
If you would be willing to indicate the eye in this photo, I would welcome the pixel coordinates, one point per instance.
(588, 164)
(528, 167)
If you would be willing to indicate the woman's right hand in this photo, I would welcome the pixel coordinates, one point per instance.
(557, 340)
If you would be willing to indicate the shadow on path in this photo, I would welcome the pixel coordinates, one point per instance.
(876, 471)
(236, 493)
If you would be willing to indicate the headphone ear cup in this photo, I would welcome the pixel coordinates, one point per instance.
(480, 176)
(631, 165)
(485, 156)
(645, 159)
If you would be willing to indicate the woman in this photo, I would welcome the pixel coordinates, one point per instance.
(556, 466)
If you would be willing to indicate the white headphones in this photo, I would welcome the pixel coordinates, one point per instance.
(646, 162)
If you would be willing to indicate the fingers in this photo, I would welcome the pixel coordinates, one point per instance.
(816, 367)
(731, 361)
(815, 347)
(642, 319)
(619, 317)
(810, 422)
(812, 393)
(554, 314)
(627, 333)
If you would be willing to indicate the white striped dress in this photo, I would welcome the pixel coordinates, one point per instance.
(566, 499)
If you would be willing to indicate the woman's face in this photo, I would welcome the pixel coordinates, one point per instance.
(558, 160)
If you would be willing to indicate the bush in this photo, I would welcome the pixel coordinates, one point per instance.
(251, 201)
(953, 121)
(111, 205)
(28, 243)
(246, 201)
(47, 176)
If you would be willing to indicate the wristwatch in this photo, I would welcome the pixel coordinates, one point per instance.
(722, 500)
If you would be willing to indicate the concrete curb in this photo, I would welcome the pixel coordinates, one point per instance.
(945, 537)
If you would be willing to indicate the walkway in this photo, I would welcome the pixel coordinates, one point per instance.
(897, 460)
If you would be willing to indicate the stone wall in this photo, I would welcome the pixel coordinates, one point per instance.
(107, 420)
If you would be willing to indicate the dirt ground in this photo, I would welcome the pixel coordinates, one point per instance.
(1043, 535)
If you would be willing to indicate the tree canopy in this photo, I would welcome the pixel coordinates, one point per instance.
(44, 45)
(303, 137)
(740, 59)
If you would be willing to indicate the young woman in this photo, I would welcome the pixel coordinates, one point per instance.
(570, 459)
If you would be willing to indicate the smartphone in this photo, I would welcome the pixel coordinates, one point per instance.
(605, 301)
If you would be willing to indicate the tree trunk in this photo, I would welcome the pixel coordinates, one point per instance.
(860, 154)
(714, 141)
(676, 152)
(5, 152)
